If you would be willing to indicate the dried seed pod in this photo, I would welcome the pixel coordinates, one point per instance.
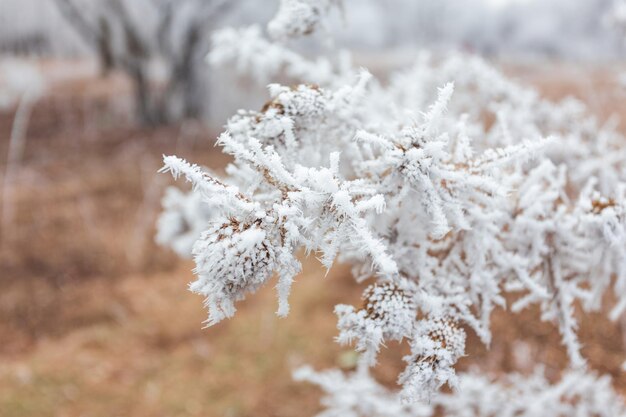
(388, 313)
(232, 258)
(446, 332)
(386, 302)
(436, 346)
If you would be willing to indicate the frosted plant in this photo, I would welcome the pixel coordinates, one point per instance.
(436, 346)
(250, 53)
(184, 218)
(575, 394)
(446, 188)
(387, 314)
(359, 395)
(299, 17)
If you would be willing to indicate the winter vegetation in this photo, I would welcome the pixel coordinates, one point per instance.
(436, 237)
(451, 191)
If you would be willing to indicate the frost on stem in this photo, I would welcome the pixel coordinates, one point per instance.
(295, 207)
(562, 245)
(239, 251)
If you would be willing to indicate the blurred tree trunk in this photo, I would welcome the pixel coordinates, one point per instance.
(182, 94)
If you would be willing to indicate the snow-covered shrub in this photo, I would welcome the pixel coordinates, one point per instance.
(446, 188)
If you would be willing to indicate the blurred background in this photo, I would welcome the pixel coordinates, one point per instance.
(95, 318)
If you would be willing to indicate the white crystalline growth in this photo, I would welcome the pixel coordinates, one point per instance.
(298, 17)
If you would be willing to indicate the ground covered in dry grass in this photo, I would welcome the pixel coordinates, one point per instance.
(96, 321)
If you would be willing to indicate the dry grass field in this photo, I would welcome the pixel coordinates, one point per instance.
(96, 320)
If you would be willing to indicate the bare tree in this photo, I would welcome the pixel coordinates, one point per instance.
(134, 37)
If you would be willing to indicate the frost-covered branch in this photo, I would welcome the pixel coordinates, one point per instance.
(446, 188)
